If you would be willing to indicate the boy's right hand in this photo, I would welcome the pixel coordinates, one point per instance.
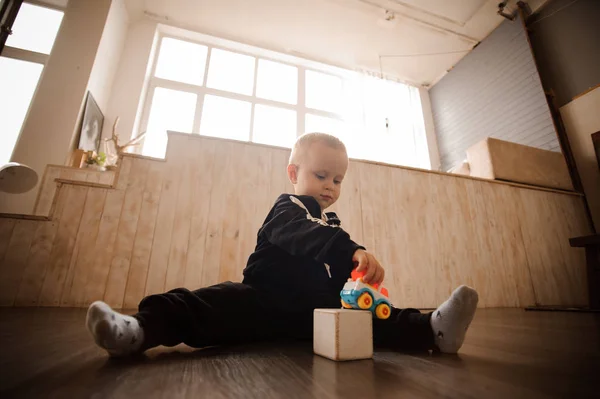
(374, 272)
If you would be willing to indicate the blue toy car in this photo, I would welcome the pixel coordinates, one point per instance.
(359, 295)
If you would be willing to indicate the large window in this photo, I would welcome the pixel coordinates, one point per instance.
(21, 66)
(249, 94)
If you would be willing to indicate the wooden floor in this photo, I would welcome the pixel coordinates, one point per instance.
(509, 353)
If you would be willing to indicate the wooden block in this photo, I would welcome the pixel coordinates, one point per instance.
(343, 334)
(502, 160)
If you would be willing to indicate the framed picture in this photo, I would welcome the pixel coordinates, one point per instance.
(91, 126)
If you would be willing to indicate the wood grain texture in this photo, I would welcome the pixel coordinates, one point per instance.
(37, 263)
(192, 221)
(83, 254)
(6, 230)
(161, 244)
(132, 204)
(508, 353)
(15, 260)
(52, 172)
(70, 204)
(142, 246)
(202, 177)
(556, 271)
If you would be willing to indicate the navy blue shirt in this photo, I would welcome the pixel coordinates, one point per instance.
(299, 252)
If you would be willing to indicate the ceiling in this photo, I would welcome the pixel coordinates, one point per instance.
(393, 36)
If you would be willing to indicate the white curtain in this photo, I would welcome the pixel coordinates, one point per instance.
(383, 121)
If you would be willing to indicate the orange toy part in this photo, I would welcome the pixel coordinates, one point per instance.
(356, 275)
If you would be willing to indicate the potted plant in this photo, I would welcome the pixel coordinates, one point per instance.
(96, 161)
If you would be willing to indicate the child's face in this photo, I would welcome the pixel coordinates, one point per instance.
(320, 173)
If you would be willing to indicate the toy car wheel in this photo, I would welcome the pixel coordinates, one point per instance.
(345, 305)
(383, 311)
(365, 300)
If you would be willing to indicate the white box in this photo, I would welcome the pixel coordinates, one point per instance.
(343, 334)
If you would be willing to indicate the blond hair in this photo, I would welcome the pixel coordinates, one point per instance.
(306, 140)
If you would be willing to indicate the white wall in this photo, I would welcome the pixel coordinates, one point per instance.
(86, 54)
(108, 59)
(432, 147)
(53, 116)
(581, 119)
(130, 79)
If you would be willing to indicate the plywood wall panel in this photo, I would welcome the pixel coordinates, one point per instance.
(181, 222)
(202, 176)
(103, 247)
(15, 260)
(6, 230)
(192, 221)
(218, 197)
(53, 172)
(71, 202)
(413, 240)
(556, 270)
(79, 268)
(142, 246)
(120, 263)
(35, 271)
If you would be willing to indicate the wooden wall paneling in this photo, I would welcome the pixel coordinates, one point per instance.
(224, 156)
(244, 226)
(202, 179)
(511, 254)
(93, 176)
(70, 204)
(379, 225)
(369, 210)
(15, 260)
(180, 236)
(132, 204)
(348, 206)
(161, 244)
(6, 229)
(83, 253)
(413, 276)
(104, 246)
(279, 183)
(237, 200)
(574, 223)
(123, 172)
(485, 266)
(142, 246)
(74, 174)
(500, 248)
(107, 177)
(541, 225)
(35, 270)
(47, 190)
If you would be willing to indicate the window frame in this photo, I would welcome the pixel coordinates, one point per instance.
(28, 55)
(222, 44)
(35, 57)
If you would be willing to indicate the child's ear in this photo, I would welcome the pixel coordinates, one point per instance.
(292, 172)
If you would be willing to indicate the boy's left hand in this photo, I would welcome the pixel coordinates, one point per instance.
(374, 272)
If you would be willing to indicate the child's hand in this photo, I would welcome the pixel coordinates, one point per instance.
(366, 261)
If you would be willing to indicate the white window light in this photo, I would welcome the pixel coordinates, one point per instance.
(249, 94)
(21, 65)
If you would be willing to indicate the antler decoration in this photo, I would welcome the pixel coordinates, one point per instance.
(115, 139)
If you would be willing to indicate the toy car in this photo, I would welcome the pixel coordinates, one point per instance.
(359, 295)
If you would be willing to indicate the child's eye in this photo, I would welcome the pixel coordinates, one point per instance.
(337, 182)
(319, 176)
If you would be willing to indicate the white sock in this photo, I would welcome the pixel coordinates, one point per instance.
(119, 334)
(452, 318)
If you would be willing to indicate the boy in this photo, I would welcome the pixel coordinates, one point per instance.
(301, 261)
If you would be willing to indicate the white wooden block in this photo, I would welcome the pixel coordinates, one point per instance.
(343, 334)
